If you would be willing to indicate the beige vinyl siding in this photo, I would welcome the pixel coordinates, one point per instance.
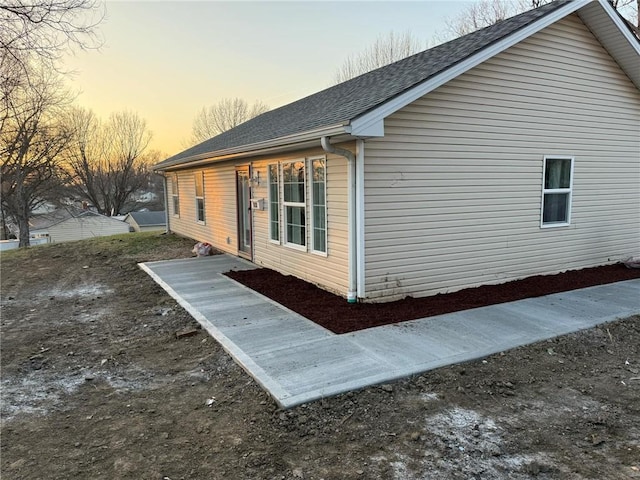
(330, 271)
(453, 190)
(150, 228)
(220, 229)
(86, 227)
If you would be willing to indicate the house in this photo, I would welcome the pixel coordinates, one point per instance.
(70, 223)
(43, 207)
(147, 221)
(510, 152)
(147, 197)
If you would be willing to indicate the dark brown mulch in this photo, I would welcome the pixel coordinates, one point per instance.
(334, 313)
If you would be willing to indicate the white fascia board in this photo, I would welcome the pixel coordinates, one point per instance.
(624, 30)
(269, 146)
(627, 53)
(369, 120)
(373, 129)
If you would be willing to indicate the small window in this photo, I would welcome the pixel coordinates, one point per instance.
(293, 182)
(199, 179)
(174, 194)
(274, 204)
(557, 191)
(319, 205)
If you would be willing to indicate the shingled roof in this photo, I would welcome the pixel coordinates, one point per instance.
(42, 221)
(149, 219)
(342, 103)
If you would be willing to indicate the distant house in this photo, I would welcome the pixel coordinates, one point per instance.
(510, 152)
(70, 223)
(147, 197)
(147, 221)
(43, 207)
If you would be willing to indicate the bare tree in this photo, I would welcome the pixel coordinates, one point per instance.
(386, 49)
(223, 116)
(46, 28)
(480, 14)
(12, 78)
(106, 162)
(630, 10)
(31, 142)
(485, 13)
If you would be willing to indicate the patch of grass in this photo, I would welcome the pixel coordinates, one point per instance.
(134, 243)
(139, 245)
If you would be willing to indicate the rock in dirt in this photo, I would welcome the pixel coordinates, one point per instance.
(187, 332)
(536, 468)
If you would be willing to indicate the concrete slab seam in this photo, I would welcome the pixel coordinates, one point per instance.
(273, 302)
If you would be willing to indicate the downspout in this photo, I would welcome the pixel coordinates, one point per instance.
(360, 217)
(352, 296)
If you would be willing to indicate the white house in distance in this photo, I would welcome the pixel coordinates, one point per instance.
(70, 223)
(147, 221)
(510, 152)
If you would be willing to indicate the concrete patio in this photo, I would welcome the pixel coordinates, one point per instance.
(298, 361)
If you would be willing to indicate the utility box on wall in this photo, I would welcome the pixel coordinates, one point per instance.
(257, 204)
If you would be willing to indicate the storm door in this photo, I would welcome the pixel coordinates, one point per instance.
(243, 194)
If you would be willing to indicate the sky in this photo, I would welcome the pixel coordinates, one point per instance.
(166, 60)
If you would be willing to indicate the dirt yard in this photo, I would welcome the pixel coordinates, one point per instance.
(95, 385)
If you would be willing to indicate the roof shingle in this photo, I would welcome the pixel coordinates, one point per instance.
(346, 101)
(147, 219)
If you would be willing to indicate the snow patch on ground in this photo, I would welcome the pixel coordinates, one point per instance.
(81, 291)
(429, 397)
(400, 470)
(26, 395)
(462, 443)
(91, 316)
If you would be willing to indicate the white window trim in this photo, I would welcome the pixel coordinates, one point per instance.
(311, 203)
(556, 190)
(204, 210)
(279, 203)
(176, 195)
(285, 204)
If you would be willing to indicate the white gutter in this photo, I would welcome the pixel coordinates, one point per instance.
(352, 291)
(258, 148)
(360, 217)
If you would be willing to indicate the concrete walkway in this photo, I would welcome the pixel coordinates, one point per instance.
(297, 361)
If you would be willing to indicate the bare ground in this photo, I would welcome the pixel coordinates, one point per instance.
(96, 385)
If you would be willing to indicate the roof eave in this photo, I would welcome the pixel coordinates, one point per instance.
(615, 36)
(373, 119)
(275, 145)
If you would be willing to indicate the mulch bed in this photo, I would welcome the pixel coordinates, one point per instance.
(334, 313)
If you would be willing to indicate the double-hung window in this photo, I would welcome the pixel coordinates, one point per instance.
(199, 179)
(174, 194)
(293, 202)
(274, 203)
(556, 191)
(318, 206)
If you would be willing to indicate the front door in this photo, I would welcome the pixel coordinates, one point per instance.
(243, 194)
